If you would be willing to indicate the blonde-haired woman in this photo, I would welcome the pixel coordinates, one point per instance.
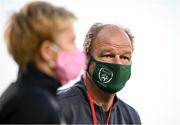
(40, 38)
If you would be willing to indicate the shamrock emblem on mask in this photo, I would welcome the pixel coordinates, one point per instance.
(105, 75)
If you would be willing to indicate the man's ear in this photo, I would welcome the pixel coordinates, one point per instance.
(46, 53)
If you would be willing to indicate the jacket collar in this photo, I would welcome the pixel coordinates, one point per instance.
(35, 77)
(82, 86)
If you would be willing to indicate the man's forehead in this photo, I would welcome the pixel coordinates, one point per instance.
(112, 36)
(111, 29)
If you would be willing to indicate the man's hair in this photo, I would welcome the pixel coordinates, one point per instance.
(93, 32)
(34, 23)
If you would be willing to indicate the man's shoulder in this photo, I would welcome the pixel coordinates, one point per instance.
(128, 111)
(126, 106)
(71, 94)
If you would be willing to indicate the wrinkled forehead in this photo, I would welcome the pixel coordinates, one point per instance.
(111, 35)
(109, 30)
(112, 38)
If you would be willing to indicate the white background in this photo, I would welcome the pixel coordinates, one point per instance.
(154, 87)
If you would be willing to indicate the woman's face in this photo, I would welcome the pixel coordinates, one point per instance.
(66, 40)
(47, 56)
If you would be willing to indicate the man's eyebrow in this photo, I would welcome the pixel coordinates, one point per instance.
(127, 52)
(106, 50)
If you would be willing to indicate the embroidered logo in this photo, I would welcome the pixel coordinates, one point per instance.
(105, 75)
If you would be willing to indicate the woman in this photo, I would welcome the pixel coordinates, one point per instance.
(40, 38)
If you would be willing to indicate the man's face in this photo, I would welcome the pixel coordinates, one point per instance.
(112, 45)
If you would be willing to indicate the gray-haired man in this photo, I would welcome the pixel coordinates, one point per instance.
(93, 100)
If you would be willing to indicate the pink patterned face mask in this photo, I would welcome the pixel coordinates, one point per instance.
(69, 65)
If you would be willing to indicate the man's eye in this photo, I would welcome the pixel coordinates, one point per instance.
(108, 56)
(125, 57)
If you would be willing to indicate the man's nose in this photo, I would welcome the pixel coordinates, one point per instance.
(118, 60)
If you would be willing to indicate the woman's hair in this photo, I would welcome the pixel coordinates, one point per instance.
(34, 23)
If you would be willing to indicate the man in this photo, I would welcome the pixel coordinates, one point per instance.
(93, 100)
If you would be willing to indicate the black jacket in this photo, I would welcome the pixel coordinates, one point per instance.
(75, 109)
(31, 99)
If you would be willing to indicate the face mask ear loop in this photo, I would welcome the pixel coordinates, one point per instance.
(87, 70)
(91, 59)
(54, 47)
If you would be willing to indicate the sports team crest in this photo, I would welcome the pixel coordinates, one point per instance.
(105, 75)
